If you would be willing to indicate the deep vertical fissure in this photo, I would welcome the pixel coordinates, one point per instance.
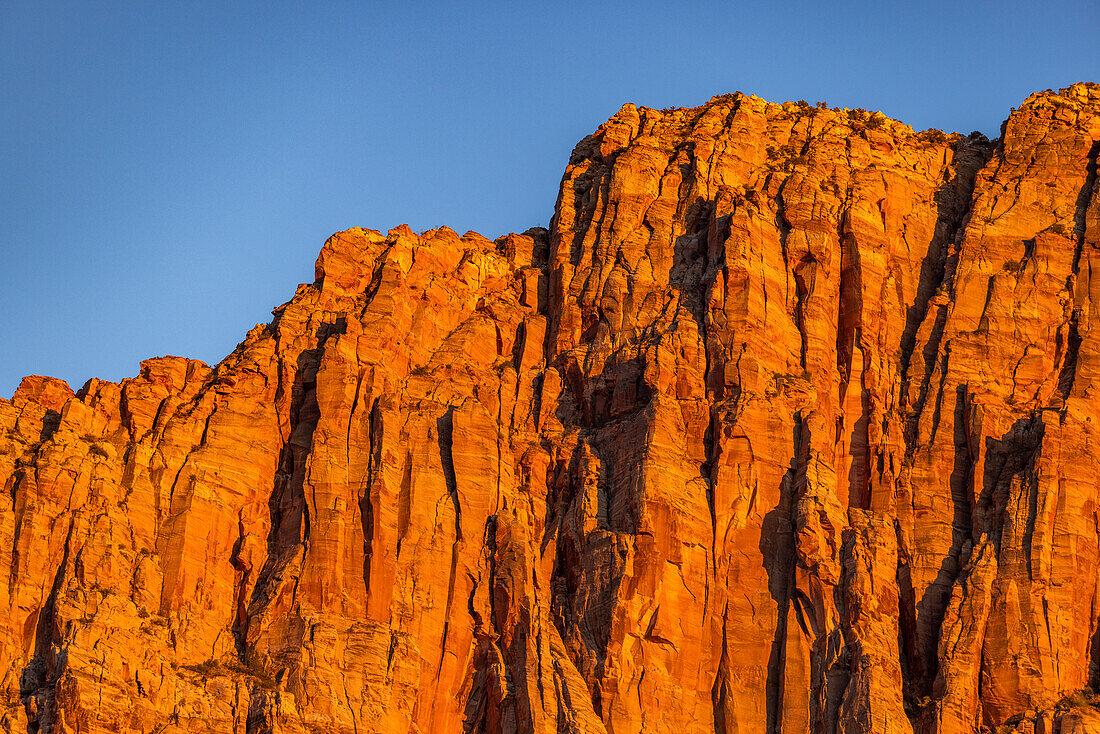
(1068, 374)
(1085, 197)
(445, 429)
(852, 439)
(777, 546)
(366, 502)
(954, 203)
(35, 683)
(718, 692)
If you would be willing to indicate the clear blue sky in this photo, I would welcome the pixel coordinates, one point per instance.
(168, 171)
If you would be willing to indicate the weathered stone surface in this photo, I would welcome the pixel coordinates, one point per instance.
(787, 423)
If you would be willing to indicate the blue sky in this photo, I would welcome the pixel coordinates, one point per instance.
(168, 171)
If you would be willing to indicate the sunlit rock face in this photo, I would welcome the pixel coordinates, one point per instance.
(787, 423)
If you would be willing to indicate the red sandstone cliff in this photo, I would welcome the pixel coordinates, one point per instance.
(789, 423)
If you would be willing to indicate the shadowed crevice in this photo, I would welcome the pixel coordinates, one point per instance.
(777, 549)
(38, 680)
(445, 428)
(366, 502)
(933, 603)
(1067, 376)
(954, 201)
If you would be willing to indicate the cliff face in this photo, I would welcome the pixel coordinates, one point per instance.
(788, 423)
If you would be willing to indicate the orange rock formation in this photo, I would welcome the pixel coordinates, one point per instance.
(789, 423)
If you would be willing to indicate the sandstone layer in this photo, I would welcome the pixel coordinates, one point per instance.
(787, 423)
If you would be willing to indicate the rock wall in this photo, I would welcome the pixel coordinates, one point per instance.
(788, 423)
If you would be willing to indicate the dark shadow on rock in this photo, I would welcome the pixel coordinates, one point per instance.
(50, 421)
(38, 679)
(953, 201)
(924, 662)
(777, 549)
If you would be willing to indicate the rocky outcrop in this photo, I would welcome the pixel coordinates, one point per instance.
(787, 423)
